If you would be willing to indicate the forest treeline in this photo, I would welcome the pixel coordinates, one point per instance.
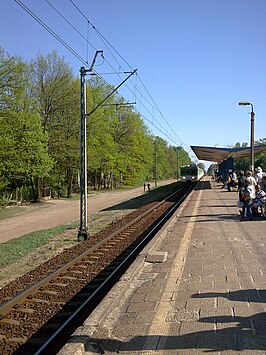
(39, 133)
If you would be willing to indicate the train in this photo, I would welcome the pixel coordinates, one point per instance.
(190, 174)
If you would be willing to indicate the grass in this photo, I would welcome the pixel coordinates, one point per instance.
(20, 255)
(15, 249)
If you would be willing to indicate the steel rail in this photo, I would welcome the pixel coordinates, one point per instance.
(24, 296)
(62, 330)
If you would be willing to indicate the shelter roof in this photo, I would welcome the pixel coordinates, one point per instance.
(218, 155)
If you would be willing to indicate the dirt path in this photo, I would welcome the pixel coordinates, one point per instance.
(58, 212)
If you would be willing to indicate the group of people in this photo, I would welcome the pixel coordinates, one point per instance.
(148, 185)
(252, 193)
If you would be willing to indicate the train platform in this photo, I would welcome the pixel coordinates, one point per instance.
(199, 286)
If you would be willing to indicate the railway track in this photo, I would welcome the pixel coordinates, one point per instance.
(39, 318)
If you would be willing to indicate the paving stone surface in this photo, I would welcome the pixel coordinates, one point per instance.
(209, 295)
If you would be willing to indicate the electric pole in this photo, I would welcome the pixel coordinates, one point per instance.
(155, 163)
(83, 227)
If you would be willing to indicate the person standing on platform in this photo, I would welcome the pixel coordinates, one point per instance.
(241, 185)
(241, 180)
(259, 174)
(248, 196)
(251, 179)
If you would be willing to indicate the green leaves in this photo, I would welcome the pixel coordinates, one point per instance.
(39, 130)
(23, 147)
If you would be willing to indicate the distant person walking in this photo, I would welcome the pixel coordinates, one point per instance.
(144, 187)
(149, 186)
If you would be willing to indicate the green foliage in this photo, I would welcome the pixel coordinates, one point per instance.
(15, 249)
(39, 137)
(13, 81)
(56, 94)
(4, 200)
(23, 149)
(51, 79)
(23, 145)
(259, 159)
(182, 158)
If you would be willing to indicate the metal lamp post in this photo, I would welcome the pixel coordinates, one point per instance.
(252, 114)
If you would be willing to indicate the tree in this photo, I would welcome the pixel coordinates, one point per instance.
(51, 77)
(39, 137)
(173, 161)
(101, 148)
(57, 96)
(183, 158)
(13, 81)
(135, 148)
(161, 161)
(118, 143)
(63, 132)
(23, 145)
(260, 158)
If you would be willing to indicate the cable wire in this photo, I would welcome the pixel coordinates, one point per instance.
(153, 104)
(36, 18)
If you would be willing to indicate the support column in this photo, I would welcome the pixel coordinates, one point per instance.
(83, 227)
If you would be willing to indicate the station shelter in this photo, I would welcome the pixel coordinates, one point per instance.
(224, 157)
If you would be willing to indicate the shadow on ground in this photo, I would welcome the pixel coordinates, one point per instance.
(239, 337)
(203, 185)
(156, 194)
(227, 332)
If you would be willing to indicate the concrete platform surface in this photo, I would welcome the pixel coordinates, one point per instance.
(198, 287)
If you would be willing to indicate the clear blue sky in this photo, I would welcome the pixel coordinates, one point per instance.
(196, 58)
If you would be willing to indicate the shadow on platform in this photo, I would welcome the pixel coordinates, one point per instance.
(222, 217)
(250, 295)
(240, 337)
(203, 185)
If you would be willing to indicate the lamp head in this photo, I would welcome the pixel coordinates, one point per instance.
(244, 103)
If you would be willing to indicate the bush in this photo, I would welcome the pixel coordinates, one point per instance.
(4, 200)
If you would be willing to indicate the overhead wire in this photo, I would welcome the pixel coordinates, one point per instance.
(86, 39)
(107, 44)
(36, 18)
(70, 24)
(104, 39)
(85, 62)
(99, 33)
(160, 111)
(57, 37)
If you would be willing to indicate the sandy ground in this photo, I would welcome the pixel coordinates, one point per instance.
(58, 212)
